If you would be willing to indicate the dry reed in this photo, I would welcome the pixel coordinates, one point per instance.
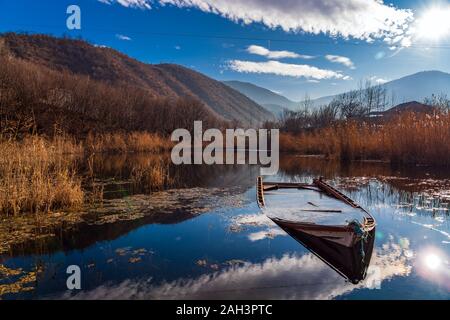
(127, 142)
(410, 138)
(37, 175)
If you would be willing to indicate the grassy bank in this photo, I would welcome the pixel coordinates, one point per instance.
(410, 139)
(40, 175)
(37, 175)
(126, 142)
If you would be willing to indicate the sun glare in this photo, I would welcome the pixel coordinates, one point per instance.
(433, 261)
(434, 23)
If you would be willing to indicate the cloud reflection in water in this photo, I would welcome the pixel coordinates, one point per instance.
(275, 278)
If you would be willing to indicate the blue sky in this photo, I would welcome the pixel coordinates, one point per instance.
(313, 47)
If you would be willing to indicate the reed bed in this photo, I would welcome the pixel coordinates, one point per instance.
(153, 174)
(37, 175)
(127, 142)
(410, 138)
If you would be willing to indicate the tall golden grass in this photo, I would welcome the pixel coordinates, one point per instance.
(152, 174)
(126, 142)
(37, 175)
(409, 138)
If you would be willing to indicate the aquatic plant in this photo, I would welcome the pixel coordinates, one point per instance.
(409, 138)
(37, 175)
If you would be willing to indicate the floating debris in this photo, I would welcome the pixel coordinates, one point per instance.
(123, 251)
(141, 252)
(21, 284)
(192, 202)
(235, 262)
(235, 228)
(7, 272)
(201, 263)
(134, 260)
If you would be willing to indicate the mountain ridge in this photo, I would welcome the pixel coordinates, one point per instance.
(399, 91)
(413, 87)
(271, 101)
(111, 66)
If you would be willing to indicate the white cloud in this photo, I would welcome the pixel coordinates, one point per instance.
(177, 47)
(313, 81)
(266, 234)
(378, 80)
(123, 37)
(359, 19)
(261, 51)
(340, 59)
(273, 278)
(284, 69)
(141, 4)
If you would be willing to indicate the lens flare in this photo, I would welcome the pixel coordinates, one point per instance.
(432, 264)
(433, 261)
(434, 23)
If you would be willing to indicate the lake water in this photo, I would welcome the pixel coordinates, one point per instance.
(206, 238)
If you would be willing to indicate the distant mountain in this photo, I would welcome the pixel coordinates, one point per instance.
(275, 109)
(415, 87)
(322, 101)
(413, 106)
(160, 80)
(407, 107)
(270, 100)
(419, 86)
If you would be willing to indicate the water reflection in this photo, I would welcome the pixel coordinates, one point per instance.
(350, 261)
(275, 278)
(203, 235)
(127, 206)
(433, 265)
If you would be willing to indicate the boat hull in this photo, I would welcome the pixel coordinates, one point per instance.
(325, 221)
(340, 248)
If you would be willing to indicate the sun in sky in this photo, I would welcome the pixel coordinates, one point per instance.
(433, 23)
(314, 47)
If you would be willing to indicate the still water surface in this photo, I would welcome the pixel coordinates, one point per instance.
(208, 240)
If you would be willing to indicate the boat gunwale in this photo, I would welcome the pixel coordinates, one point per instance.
(318, 185)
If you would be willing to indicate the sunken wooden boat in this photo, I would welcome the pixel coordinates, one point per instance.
(324, 220)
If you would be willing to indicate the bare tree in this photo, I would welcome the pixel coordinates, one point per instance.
(440, 101)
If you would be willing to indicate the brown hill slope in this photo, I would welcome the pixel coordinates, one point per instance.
(407, 107)
(163, 80)
(37, 99)
(412, 106)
